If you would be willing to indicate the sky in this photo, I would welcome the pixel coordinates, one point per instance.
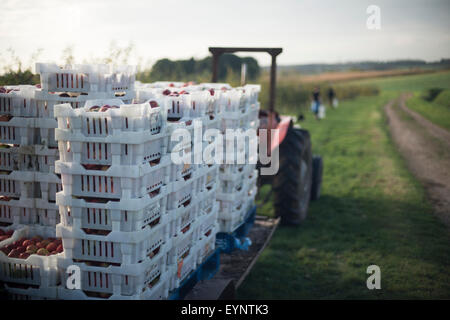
(320, 31)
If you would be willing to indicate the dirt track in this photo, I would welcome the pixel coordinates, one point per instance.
(426, 149)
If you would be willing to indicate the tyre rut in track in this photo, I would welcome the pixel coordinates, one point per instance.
(423, 144)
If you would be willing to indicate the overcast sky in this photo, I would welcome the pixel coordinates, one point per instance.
(309, 31)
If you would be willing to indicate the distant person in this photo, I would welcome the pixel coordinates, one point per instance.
(316, 102)
(332, 98)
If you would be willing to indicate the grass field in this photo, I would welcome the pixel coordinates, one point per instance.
(437, 111)
(372, 211)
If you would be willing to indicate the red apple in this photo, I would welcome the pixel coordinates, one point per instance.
(51, 247)
(32, 248)
(24, 255)
(3, 237)
(105, 107)
(14, 253)
(21, 249)
(94, 108)
(5, 250)
(42, 252)
(166, 92)
(154, 104)
(60, 248)
(26, 243)
(211, 91)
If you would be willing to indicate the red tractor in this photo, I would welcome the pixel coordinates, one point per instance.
(299, 177)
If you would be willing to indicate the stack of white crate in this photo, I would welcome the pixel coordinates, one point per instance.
(237, 191)
(28, 156)
(26, 165)
(193, 182)
(115, 225)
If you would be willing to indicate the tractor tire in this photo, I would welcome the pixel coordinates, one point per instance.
(317, 170)
(292, 183)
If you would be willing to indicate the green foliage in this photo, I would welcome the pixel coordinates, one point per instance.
(200, 70)
(443, 99)
(18, 77)
(432, 93)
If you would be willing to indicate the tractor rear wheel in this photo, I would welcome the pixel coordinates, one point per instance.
(292, 184)
(317, 169)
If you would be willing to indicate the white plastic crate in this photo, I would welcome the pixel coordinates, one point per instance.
(47, 213)
(208, 221)
(79, 78)
(210, 177)
(182, 192)
(126, 280)
(117, 182)
(44, 102)
(160, 291)
(6, 103)
(18, 131)
(232, 186)
(231, 224)
(187, 168)
(18, 293)
(126, 215)
(85, 78)
(30, 158)
(13, 229)
(175, 142)
(17, 184)
(36, 270)
(116, 247)
(208, 202)
(233, 101)
(98, 152)
(178, 107)
(46, 128)
(127, 122)
(183, 268)
(19, 102)
(252, 91)
(122, 78)
(238, 187)
(230, 209)
(49, 185)
(17, 212)
(183, 218)
(231, 171)
(183, 244)
(207, 244)
(8, 158)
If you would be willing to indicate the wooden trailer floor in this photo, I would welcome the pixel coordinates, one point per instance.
(235, 267)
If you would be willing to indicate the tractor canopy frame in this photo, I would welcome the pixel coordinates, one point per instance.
(274, 52)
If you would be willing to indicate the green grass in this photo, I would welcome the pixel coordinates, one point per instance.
(435, 112)
(372, 211)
